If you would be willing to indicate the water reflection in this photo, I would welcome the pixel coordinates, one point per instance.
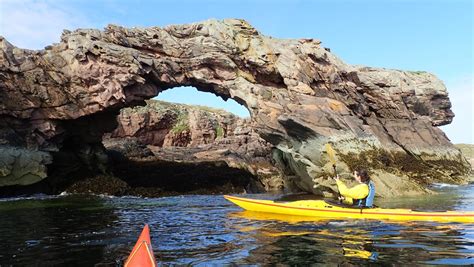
(52, 231)
(208, 230)
(299, 240)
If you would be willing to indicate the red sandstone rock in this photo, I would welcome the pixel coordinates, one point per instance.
(300, 97)
(184, 133)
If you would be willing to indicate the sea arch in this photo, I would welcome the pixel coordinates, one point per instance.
(299, 95)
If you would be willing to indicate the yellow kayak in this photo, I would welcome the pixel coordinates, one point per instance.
(320, 208)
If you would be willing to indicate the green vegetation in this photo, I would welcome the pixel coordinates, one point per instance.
(219, 131)
(181, 124)
(181, 113)
(158, 104)
(417, 72)
(179, 128)
(211, 110)
(162, 107)
(402, 163)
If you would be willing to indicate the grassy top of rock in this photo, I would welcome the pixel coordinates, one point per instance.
(163, 106)
(466, 149)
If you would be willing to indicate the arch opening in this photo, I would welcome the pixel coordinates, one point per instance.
(161, 148)
(185, 141)
(193, 96)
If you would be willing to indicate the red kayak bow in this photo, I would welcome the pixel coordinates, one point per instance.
(142, 253)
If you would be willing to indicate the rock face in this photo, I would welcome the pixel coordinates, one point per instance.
(60, 100)
(195, 134)
(468, 152)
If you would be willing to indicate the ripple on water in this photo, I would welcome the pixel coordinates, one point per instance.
(208, 230)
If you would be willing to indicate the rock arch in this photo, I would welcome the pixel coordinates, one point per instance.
(300, 96)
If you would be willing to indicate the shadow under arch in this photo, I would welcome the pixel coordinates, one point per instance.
(82, 159)
(172, 148)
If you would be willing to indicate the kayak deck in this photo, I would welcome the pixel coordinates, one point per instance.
(142, 252)
(320, 208)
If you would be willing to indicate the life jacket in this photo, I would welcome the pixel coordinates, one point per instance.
(368, 201)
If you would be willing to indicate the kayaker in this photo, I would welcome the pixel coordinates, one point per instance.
(361, 195)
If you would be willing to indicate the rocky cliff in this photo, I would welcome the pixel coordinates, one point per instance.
(468, 152)
(197, 135)
(56, 103)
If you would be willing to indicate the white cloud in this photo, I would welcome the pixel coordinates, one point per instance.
(35, 24)
(461, 94)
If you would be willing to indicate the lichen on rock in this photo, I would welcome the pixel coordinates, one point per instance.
(22, 166)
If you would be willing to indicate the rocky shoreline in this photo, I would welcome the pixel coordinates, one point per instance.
(56, 105)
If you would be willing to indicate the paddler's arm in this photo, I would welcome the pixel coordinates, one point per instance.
(341, 186)
(357, 192)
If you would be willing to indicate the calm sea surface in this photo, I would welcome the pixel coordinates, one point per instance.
(207, 230)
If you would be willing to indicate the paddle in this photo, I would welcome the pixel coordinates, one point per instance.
(332, 158)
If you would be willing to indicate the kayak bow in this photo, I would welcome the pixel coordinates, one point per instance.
(142, 252)
(320, 208)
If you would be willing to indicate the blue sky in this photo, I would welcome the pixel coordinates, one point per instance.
(433, 36)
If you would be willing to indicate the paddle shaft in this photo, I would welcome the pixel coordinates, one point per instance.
(332, 158)
(335, 175)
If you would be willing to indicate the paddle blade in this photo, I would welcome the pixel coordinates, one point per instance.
(331, 154)
(142, 253)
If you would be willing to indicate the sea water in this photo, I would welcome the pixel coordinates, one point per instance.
(85, 230)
